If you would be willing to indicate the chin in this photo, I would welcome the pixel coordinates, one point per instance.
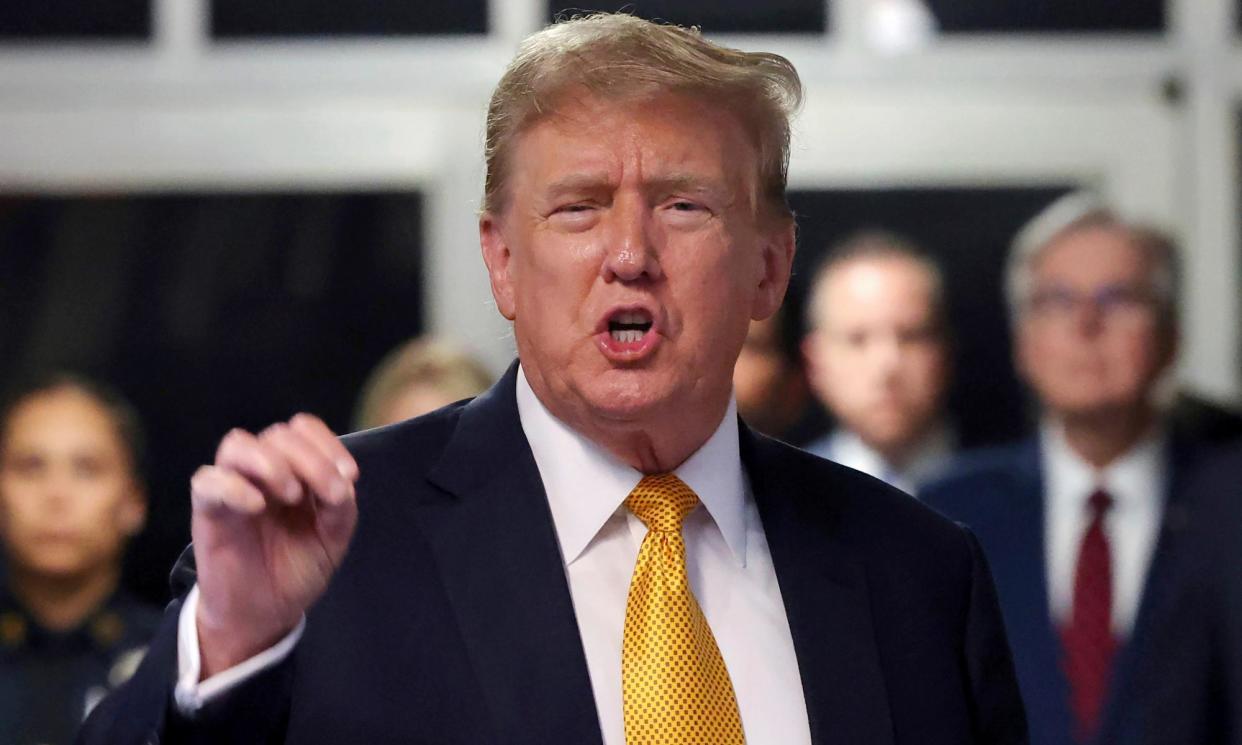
(628, 396)
(56, 566)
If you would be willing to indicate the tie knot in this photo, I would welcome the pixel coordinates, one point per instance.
(1099, 502)
(662, 501)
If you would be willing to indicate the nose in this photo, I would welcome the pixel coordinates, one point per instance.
(630, 254)
(1089, 318)
(887, 351)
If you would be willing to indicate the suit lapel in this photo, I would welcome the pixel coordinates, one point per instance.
(824, 589)
(1019, 568)
(1158, 593)
(494, 540)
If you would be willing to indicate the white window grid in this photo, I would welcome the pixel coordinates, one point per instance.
(184, 112)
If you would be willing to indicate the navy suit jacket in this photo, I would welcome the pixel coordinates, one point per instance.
(450, 619)
(1191, 678)
(999, 495)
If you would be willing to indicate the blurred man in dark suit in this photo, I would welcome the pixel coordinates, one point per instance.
(772, 392)
(1080, 522)
(1191, 680)
(877, 353)
(593, 551)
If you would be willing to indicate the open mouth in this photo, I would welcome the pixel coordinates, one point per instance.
(629, 326)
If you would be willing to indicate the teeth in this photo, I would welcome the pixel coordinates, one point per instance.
(633, 316)
(628, 335)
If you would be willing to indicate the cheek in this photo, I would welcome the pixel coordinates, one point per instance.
(554, 281)
(1034, 353)
(1138, 358)
(20, 507)
(924, 375)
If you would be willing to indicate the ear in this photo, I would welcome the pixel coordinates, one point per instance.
(1018, 351)
(1172, 347)
(498, 258)
(777, 255)
(133, 512)
(812, 343)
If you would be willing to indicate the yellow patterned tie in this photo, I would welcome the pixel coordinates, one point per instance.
(676, 687)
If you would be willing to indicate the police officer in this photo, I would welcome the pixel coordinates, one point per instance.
(70, 500)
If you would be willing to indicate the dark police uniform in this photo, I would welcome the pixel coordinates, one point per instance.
(50, 680)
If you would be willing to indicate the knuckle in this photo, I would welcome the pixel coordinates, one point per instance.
(275, 431)
(323, 473)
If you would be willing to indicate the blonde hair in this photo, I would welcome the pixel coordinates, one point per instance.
(423, 361)
(618, 56)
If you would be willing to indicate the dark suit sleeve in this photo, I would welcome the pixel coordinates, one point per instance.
(143, 712)
(999, 716)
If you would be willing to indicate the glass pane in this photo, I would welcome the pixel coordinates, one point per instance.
(209, 311)
(41, 20)
(718, 16)
(968, 230)
(294, 18)
(1049, 16)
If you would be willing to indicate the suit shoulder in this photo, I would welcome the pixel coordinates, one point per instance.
(421, 438)
(977, 473)
(876, 514)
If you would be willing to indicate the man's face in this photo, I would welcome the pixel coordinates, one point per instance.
(68, 500)
(631, 255)
(1090, 340)
(761, 370)
(877, 358)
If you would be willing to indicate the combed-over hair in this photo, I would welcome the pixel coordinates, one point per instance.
(617, 56)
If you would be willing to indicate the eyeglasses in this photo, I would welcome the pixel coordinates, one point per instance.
(1120, 303)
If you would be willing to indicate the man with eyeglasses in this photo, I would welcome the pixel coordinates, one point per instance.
(1081, 521)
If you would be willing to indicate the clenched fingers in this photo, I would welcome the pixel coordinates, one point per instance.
(265, 466)
(215, 490)
(313, 461)
(325, 440)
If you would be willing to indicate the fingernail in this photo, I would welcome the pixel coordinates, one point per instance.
(345, 468)
(292, 490)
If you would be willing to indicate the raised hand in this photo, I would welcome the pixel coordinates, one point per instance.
(271, 522)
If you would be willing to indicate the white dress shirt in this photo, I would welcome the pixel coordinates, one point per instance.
(727, 559)
(927, 460)
(1136, 481)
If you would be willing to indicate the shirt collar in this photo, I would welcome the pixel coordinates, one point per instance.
(1135, 477)
(586, 484)
(928, 459)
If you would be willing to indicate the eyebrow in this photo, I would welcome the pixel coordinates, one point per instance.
(675, 182)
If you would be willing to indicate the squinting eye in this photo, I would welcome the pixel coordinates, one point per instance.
(685, 206)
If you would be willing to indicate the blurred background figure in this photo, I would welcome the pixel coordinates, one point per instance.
(770, 385)
(71, 497)
(1082, 521)
(877, 353)
(418, 377)
(1199, 700)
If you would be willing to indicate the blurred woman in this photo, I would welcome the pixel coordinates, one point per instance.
(71, 498)
(417, 377)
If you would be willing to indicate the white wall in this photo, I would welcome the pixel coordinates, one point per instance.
(183, 113)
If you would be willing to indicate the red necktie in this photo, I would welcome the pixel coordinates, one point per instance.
(1088, 637)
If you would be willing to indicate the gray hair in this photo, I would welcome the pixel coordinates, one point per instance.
(1085, 211)
(873, 244)
(618, 56)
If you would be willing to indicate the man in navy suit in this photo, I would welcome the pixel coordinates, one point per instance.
(1080, 522)
(1191, 677)
(465, 577)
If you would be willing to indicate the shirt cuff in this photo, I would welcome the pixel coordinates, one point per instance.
(190, 694)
